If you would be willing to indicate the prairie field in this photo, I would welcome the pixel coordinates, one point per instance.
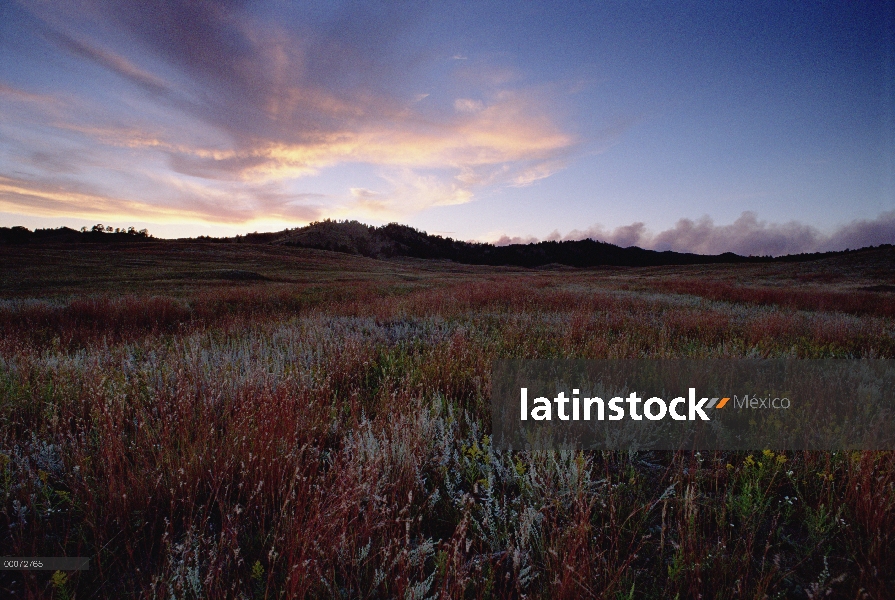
(254, 421)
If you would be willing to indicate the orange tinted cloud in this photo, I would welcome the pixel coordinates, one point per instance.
(229, 116)
(192, 203)
(511, 129)
(44, 199)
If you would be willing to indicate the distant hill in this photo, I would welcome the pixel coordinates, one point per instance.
(395, 240)
(400, 241)
(67, 235)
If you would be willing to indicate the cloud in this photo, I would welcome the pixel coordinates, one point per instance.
(55, 162)
(537, 171)
(19, 95)
(505, 240)
(746, 236)
(370, 201)
(47, 198)
(408, 189)
(861, 233)
(465, 105)
(182, 201)
(247, 93)
(113, 62)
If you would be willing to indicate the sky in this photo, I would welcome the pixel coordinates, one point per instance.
(757, 127)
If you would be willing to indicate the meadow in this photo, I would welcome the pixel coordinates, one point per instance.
(251, 421)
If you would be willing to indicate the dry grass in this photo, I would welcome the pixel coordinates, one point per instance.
(327, 436)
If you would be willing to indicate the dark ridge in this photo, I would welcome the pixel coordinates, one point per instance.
(400, 241)
(394, 240)
(67, 235)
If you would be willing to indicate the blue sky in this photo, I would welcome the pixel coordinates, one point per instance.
(761, 127)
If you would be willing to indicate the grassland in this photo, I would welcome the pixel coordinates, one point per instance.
(252, 421)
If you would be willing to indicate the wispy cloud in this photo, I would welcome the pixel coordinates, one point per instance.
(8, 92)
(182, 201)
(537, 171)
(466, 105)
(746, 236)
(47, 198)
(235, 97)
(408, 189)
(114, 62)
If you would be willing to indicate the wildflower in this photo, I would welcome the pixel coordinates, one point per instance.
(59, 581)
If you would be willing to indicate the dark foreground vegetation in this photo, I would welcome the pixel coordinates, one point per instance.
(212, 420)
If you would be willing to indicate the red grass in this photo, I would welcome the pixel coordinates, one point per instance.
(319, 478)
(854, 302)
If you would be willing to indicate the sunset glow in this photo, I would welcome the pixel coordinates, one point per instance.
(765, 128)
